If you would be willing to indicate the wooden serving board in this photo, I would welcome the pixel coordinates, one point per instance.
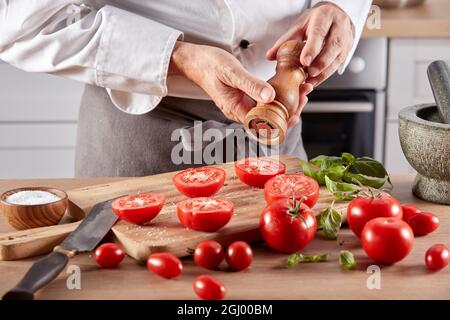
(165, 232)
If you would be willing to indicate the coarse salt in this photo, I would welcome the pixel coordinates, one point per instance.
(32, 197)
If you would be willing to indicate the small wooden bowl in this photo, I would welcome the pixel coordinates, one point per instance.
(21, 216)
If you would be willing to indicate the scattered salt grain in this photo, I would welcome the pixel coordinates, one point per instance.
(32, 197)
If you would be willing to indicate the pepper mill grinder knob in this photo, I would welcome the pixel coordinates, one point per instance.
(267, 122)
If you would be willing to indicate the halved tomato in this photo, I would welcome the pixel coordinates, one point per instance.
(256, 171)
(284, 186)
(199, 182)
(138, 208)
(205, 214)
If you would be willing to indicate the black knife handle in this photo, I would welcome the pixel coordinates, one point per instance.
(41, 273)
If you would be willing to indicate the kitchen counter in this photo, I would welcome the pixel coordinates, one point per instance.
(266, 279)
(428, 20)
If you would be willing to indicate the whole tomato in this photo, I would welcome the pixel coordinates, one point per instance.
(287, 225)
(437, 257)
(387, 240)
(239, 255)
(165, 265)
(109, 255)
(209, 288)
(208, 254)
(409, 210)
(423, 223)
(363, 209)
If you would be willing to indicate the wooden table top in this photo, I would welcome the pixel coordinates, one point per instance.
(266, 279)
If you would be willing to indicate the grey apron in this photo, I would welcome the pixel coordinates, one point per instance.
(111, 143)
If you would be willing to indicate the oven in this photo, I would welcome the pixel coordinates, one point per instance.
(346, 113)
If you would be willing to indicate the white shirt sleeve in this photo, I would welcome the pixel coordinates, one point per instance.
(108, 47)
(357, 11)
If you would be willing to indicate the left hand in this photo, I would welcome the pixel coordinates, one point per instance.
(329, 36)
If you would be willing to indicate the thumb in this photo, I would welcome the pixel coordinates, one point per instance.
(255, 88)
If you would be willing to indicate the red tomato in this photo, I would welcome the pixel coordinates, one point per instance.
(209, 288)
(437, 257)
(199, 182)
(165, 265)
(138, 208)
(256, 171)
(284, 186)
(208, 254)
(287, 227)
(109, 255)
(387, 240)
(239, 255)
(409, 210)
(363, 209)
(205, 214)
(423, 223)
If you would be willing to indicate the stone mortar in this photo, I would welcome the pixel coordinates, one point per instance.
(425, 140)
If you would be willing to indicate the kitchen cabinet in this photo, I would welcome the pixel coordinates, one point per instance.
(408, 85)
(38, 116)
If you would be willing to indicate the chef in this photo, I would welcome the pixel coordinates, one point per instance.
(157, 70)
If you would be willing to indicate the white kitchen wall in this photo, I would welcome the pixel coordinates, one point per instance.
(38, 115)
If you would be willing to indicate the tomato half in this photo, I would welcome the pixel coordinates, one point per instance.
(287, 227)
(209, 288)
(423, 223)
(165, 265)
(284, 186)
(109, 255)
(199, 182)
(139, 208)
(205, 214)
(256, 171)
(387, 240)
(239, 255)
(363, 209)
(208, 254)
(437, 257)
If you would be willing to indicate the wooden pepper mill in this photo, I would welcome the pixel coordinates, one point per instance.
(267, 122)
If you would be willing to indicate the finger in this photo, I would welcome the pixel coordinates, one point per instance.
(296, 32)
(243, 107)
(304, 90)
(316, 33)
(315, 81)
(255, 88)
(334, 46)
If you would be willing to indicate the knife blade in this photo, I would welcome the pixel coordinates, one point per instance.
(84, 238)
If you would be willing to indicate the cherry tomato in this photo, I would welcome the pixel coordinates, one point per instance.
(387, 240)
(284, 186)
(239, 255)
(437, 257)
(287, 227)
(165, 265)
(409, 210)
(363, 209)
(138, 208)
(423, 223)
(205, 214)
(208, 254)
(209, 288)
(109, 255)
(199, 182)
(256, 171)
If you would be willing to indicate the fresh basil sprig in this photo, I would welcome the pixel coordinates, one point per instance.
(296, 258)
(342, 190)
(330, 221)
(347, 260)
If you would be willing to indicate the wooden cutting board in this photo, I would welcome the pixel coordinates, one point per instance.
(165, 232)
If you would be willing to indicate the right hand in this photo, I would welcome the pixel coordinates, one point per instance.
(233, 89)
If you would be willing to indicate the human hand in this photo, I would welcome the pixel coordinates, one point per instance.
(233, 89)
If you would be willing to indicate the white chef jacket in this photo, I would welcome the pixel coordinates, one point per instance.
(125, 45)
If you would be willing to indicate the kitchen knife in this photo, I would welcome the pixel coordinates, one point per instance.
(84, 238)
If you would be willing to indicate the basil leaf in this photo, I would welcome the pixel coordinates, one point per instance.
(373, 182)
(335, 172)
(342, 190)
(347, 260)
(370, 167)
(309, 171)
(296, 258)
(330, 221)
(324, 162)
(348, 158)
